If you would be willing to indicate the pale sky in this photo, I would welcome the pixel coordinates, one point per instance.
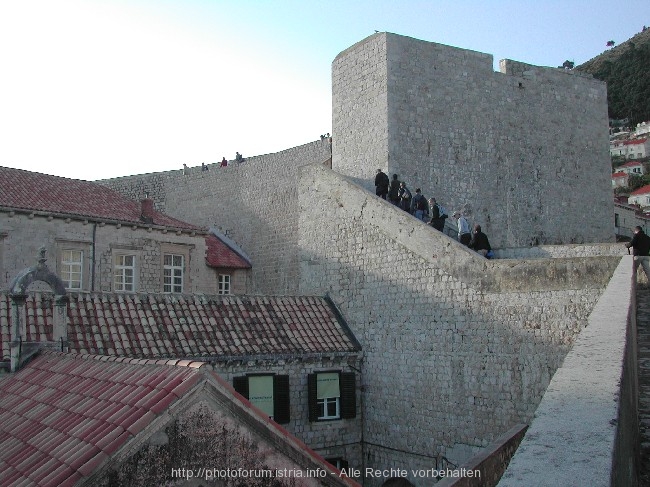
(94, 89)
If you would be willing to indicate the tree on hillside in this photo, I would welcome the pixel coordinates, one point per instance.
(610, 43)
(567, 64)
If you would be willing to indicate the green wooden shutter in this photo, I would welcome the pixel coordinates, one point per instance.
(348, 395)
(311, 397)
(241, 385)
(281, 402)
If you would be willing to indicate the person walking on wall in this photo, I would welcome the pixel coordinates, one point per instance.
(464, 235)
(419, 206)
(393, 192)
(404, 197)
(640, 245)
(381, 184)
(480, 242)
(438, 215)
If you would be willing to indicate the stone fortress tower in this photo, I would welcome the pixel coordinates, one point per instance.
(522, 150)
(457, 349)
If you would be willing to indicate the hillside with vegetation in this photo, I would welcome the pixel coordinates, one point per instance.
(626, 69)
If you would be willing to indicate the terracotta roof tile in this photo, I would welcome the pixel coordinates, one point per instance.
(25, 190)
(185, 327)
(57, 439)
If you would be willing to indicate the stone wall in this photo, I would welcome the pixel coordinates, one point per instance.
(589, 411)
(457, 348)
(254, 203)
(330, 439)
(100, 242)
(524, 152)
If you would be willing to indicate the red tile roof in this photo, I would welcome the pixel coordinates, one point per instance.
(218, 254)
(634, 141)
(25, 190)
(642, 190)
(619, 175)
(162, 325)
(631, 164)
(63, 415)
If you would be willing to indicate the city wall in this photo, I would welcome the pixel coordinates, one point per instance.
(254, 203)
(524, 152)
(586, 428)
(458, 349)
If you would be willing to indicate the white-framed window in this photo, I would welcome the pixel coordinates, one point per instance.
(173, 273)
(72, 268)
(224, 284)
(331, 395)
(328, 395)
(124, 273)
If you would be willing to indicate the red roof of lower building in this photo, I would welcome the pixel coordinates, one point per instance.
(173, 326)
(220, 255)
(25, 190)
(63, 415)
(642, 190)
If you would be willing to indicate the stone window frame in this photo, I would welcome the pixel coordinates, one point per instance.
(281, 397)
(178, 250)
(346, 402)
(224, 284)
(76, 246)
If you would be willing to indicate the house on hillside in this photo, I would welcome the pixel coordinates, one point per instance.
(630, 149)
(640, 197)
(632, 168)
(642, 129)
(87, 420)
(99, 240)
(620, 179)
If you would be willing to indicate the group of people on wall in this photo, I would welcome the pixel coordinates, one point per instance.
(430, 212)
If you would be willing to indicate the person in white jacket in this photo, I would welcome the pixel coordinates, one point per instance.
(464, 233)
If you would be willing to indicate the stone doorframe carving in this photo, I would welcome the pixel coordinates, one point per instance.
(21, 349)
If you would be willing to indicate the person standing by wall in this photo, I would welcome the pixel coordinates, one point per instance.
(438, 215)
(381, 184)
(464, 235)
(640, 245)
(393, 192)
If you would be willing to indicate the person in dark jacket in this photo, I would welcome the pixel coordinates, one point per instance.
(640, 245)
(381, 184)
(480, 242)
(393, 192)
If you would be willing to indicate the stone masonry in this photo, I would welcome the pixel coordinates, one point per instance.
(457, 348)
(524, 152)
(254, 203)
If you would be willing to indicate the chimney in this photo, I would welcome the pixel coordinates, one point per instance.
(147, 210)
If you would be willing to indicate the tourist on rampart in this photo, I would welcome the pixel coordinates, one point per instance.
(224, 162)
(239, 158)
(438, 215)
(404, 197)
(419, 206)
(381, 184)
(464, 235)
(204, 167)
(393, 192)
(480, 243)
(640, 245)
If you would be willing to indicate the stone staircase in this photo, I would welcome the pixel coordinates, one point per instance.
(643, 343)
